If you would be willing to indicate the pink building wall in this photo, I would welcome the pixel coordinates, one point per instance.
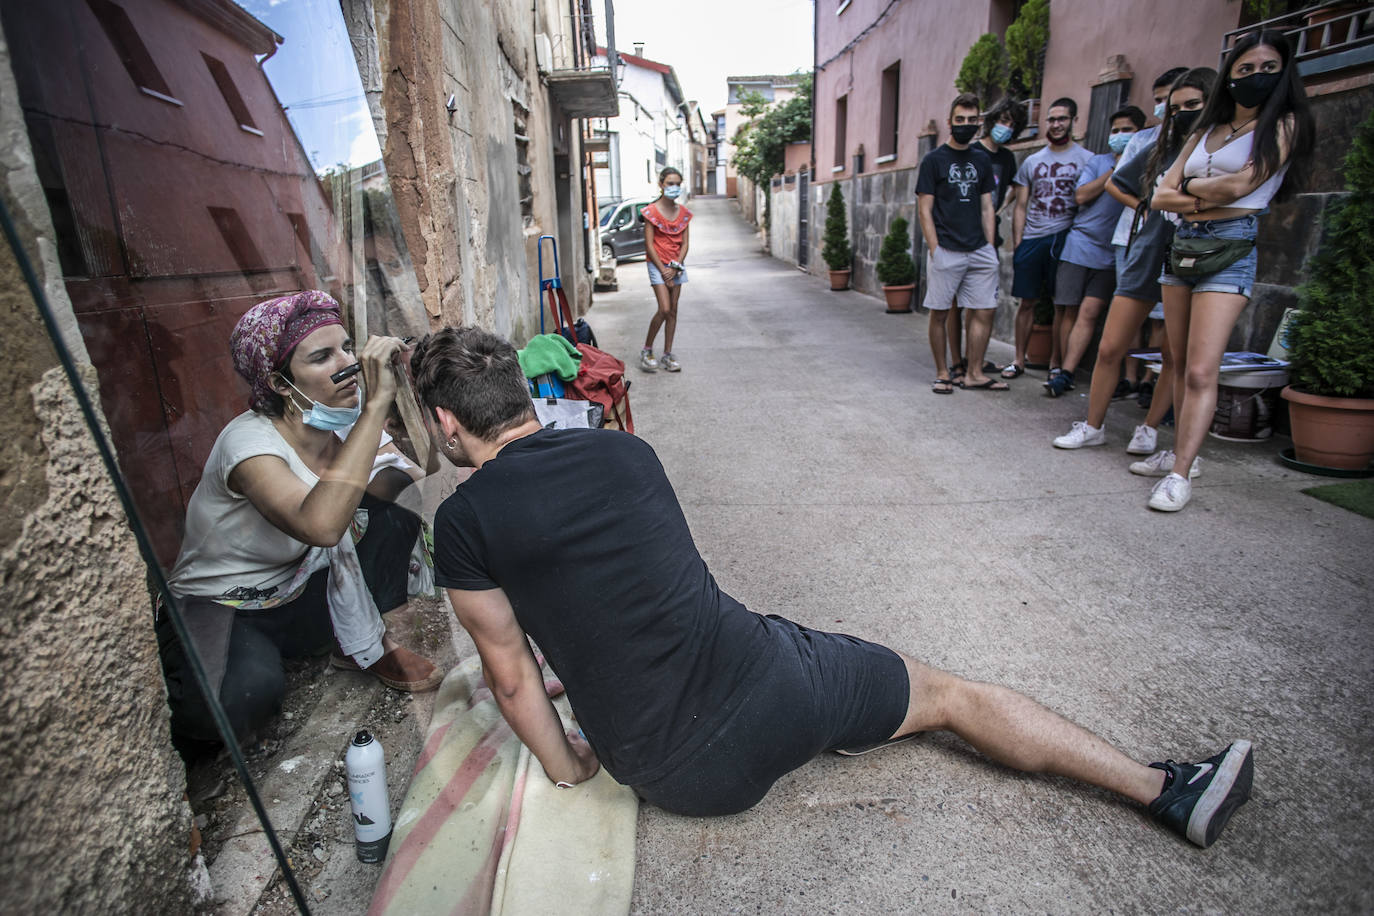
(1153, 37)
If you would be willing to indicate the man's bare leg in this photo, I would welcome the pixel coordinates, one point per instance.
(1016, 731)
(979, 330)
(954, 333)
(1025, 315)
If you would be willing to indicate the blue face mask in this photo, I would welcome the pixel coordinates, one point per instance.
(1160, 109)
(1118, 142)
(1001, 133)
(672, 191)
(329, 419)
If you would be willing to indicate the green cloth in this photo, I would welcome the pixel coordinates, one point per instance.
(547, 353)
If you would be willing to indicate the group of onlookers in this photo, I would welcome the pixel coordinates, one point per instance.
(1159, 228)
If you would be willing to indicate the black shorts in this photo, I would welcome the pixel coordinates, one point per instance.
(823, 691)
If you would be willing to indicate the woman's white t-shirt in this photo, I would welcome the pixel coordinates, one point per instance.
(230, 550)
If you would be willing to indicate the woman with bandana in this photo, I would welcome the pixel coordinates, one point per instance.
(1254, 132)
(292, 542)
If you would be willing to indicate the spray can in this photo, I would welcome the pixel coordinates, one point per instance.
(366, 769)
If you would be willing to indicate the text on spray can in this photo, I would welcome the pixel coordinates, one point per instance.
(366, 768)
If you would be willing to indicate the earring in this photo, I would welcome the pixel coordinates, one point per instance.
(452, 442)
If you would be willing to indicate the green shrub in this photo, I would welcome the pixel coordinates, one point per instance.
(895, 267)
(984, 71)
(1027, 39)
(1331, 339)
(836, 251)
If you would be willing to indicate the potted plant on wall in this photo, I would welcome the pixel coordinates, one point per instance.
(1040, 342)
(1027, 39)
(895, 269)
(836, 251)
(1331, 338)
(984, 71)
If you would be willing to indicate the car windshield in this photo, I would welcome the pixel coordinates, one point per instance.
(606, 210)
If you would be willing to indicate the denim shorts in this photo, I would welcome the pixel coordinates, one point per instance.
(656, 277)
(1238, 278)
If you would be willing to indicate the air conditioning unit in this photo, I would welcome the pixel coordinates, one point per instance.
(543, 52)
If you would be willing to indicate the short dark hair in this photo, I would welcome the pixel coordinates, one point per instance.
(663, 175)
(1065, 102)
(1006, 104)
(1130, 111)
(964, 100)
(474, 375)
(1166, 79)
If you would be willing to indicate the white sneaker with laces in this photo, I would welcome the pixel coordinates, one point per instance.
(668, 363)
(1161, 463)
(647, 361)
(1143, 442)
(1171, 494)
(1079, 435)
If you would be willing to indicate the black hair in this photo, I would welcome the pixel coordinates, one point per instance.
(663, 175)
(1065, 102)
(1005, 105)
(1168, 77)
(1130, 111)
(272, 404)
(1169, 140)
(474, 375)
(1286, 105)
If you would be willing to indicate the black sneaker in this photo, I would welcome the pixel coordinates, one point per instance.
(1145, 395)
(1124, 390)
(1059, 383)
(1199, 798)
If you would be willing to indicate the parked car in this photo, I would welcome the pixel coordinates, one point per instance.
(622, 233)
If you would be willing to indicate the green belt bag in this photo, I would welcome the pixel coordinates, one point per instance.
(1198, 257)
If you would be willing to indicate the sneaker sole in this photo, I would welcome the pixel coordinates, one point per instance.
(1056, 444)
(1139, 451)
(1229, 789)
(1169, 507)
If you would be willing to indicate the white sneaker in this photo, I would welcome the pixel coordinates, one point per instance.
(1079, 435)
(1161, 463)
(667, 363)
(647, 361)
(1143, 442)
(1171, 494)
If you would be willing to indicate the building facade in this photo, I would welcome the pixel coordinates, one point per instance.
(652, 131)
(774, 88)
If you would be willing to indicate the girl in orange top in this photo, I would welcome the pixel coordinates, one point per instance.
(665, 246)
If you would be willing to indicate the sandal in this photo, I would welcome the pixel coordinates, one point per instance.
(958, 371)
(1012, 371)
(942, 386)
(991, 384)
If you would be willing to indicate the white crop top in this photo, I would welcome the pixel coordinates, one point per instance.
(1230, 159)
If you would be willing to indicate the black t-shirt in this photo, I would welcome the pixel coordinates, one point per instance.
(958, 179)
(1003, 171)
(1155, 229)
(582, 530)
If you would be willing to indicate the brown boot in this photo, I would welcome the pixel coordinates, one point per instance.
(399, 669)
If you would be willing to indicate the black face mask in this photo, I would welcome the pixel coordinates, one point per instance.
(1184, 121)
(1251, 91)
(963, 133)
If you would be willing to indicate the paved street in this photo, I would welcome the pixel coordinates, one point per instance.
(823, 481)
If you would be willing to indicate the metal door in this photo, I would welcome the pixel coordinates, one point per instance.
(803, 219)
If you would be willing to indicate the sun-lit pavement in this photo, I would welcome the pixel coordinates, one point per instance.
(823, 481)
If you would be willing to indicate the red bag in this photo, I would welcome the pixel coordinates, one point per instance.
(601, 378)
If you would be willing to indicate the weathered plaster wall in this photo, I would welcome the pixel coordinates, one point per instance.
(91, 811)
(783, 224)
(455, 176)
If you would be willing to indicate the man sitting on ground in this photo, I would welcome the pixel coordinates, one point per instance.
(575, 538)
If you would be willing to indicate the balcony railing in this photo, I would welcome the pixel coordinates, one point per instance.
(588, 89)
(1325, 37)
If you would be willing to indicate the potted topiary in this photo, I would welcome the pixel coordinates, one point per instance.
(1027, 39)
(1331, 338)
(836, 251)
(896, 271)
(984, 71)
(1041, 340)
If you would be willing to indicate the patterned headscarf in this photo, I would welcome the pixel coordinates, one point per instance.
(267, 333)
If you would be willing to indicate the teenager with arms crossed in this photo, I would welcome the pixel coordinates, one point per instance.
(1253, 132)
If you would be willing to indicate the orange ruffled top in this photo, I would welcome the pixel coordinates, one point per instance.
(667, 235)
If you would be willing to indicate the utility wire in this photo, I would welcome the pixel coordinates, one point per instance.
(145, 548)
(859, 37)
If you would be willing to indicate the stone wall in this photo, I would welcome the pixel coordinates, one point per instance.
(93, 813)
(872, 202)
(783, 225)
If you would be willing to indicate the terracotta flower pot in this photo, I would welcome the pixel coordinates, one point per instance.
(898, 298)
(1039, 346)
(1331, 432)
(839, 279)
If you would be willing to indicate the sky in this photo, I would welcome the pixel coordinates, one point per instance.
(707, 40)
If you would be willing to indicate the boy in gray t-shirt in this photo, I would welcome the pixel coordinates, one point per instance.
(1045, 206)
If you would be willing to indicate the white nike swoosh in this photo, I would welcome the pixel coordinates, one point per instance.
(1202, 770)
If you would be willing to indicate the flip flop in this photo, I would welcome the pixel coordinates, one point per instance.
(866, 748)
(942, 386)
(989, 366)
(958, 371)
(991, 384)
(1012, 371)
